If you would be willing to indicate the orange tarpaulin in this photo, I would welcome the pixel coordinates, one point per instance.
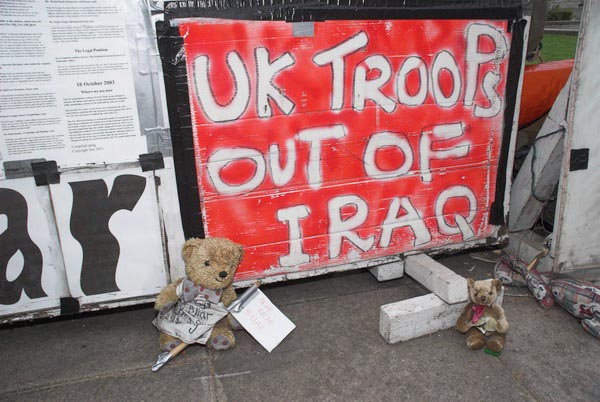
(541, 85)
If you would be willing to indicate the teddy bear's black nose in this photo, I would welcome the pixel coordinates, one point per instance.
(223, 274)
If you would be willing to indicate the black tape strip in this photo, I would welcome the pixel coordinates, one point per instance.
(579, 159)
(321, 10)
(170, 46)
(69, 305)
(45, 173)
(152, 161)
(19, 169)
(497, 216)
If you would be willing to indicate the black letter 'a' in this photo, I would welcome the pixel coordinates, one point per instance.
(92, 209)
(16, 238)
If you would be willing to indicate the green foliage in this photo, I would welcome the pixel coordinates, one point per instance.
(558, 47)
(557, 13)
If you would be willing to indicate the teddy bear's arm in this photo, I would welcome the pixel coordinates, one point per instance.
(501, 322)
(229, 296)
(462, 324)
(167, 295)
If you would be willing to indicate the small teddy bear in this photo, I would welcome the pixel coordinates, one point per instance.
(190, 308)
(482, 320)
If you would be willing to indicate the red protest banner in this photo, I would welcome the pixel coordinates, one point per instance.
(360, 139)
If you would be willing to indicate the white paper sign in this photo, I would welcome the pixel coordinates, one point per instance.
(66, 86)
(264, 321)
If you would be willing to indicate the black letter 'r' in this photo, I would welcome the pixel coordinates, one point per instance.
(91, 212)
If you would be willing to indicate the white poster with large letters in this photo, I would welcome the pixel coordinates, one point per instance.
(32, 274)
(109, 229)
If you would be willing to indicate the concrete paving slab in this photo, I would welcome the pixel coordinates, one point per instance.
(62, 350)
(476, 265)
(421, 371)
(335, 353)
(550, 354)
(335, 356)
(327, 286)
(136, 384)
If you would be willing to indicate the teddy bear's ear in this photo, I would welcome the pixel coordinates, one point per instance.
(470, 283)
(239, 253)
(497, 283)
(189, 246)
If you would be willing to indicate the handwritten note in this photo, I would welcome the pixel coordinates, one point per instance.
(265, 322)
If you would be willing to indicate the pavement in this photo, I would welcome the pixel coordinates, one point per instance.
(335, 353)
(562, 27)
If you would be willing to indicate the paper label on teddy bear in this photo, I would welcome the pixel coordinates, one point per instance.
(486, 325)
(194, 316)
(265, 322)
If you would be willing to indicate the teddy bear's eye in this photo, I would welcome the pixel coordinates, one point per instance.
(490, 293)
(207, 263)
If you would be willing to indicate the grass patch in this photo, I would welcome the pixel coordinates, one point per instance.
(558, 47)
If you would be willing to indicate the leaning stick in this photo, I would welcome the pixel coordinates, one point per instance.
(537, 259)
(163, 358)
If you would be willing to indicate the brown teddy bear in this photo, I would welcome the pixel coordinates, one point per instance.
(190, 307)
(482, 320)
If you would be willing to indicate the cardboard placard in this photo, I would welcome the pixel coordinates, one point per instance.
(265, 322)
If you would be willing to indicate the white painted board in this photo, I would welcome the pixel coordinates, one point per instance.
(411, 318)
(109, 229)
(577, 227)
(445, 283)
(168, 202)
(31, 263)
(545, 172)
